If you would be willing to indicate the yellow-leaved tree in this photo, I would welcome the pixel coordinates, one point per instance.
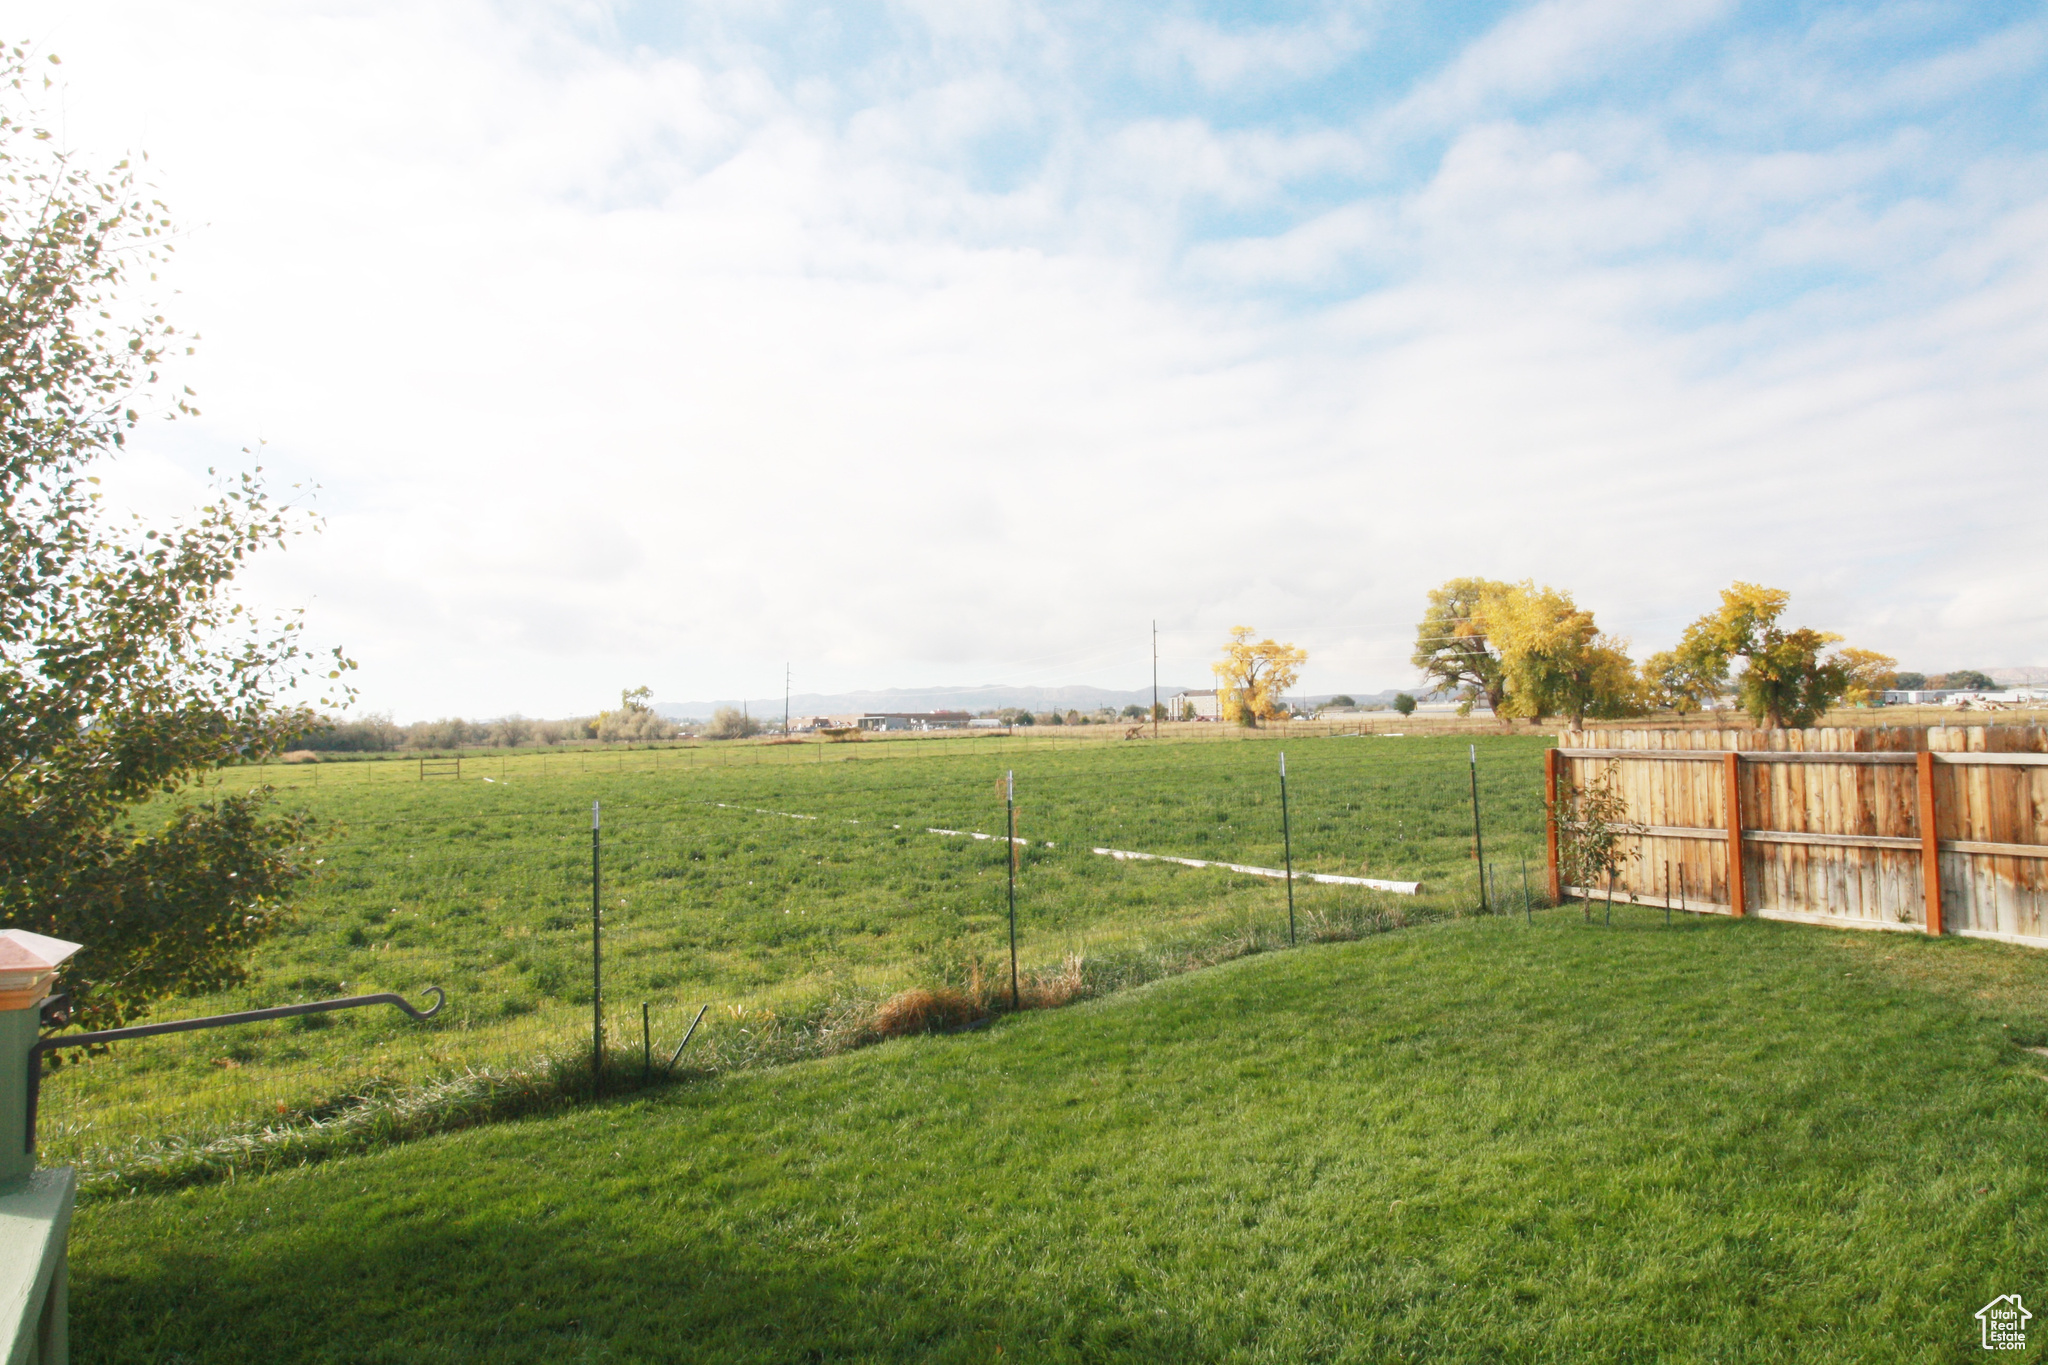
(1870, 674)
(1451, 647)
(1554, 660)
(1251, 679)
(1674, 682)
(1788, 678)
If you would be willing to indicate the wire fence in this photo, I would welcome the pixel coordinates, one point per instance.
(490, 898)
(567, 761)
(145, 1098)
(527, 762)
(519, 979)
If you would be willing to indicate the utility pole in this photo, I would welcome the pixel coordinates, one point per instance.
(785, 700)
(596, 960)
(1155, 679)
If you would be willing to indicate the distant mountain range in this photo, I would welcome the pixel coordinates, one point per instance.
(995, 696)
(986, 698)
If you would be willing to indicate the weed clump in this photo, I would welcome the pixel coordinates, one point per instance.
(926, 1011)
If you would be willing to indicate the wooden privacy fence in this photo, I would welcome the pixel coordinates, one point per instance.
(1935, 829)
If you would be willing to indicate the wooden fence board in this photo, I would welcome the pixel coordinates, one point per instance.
(1831, 821)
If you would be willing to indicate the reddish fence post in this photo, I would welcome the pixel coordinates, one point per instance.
(1930, 847)
(1734, 798)
(1552, 764)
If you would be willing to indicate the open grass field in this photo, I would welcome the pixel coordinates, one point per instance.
(1478, 1140)
(715, 892)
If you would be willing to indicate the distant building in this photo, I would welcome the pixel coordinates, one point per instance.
(1964, 700)
(884, 720)
(1208, 705)
(2018, 696)
(934, 720)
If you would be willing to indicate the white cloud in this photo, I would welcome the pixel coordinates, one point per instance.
(1222, 58)
(627, 366)
(1547, 47)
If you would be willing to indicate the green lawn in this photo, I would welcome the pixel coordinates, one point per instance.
(1473, 1141)
(482, 886)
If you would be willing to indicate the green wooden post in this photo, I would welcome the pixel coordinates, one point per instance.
(18, 1032)
(35, 1206)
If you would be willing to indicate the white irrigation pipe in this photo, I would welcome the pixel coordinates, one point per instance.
(787, 815)
(1327, 878)
(1330, 878)
(970, 834)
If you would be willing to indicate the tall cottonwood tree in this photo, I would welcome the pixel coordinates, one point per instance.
(127, 667)
(1673, 682)
(1253, 678)
(1451, 644)
(1870, 675)
(1554, 659)
(1789, 677)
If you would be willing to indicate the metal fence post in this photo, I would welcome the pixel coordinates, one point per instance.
(1287, 846)
(1010, 827)
(1478, 847)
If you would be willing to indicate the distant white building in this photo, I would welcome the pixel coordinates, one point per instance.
(1206, 706)
(2019, 696)
(2014, 696)
(891, 720)
(1450, 707)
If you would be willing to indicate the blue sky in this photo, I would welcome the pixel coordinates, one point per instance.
(953, 343)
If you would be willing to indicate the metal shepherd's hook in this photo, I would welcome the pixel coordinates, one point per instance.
(55, 1007)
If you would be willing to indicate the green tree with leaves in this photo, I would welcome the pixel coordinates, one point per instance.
(1597, 838)
(1673, 682)
(127, 666)
(1967, 680)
